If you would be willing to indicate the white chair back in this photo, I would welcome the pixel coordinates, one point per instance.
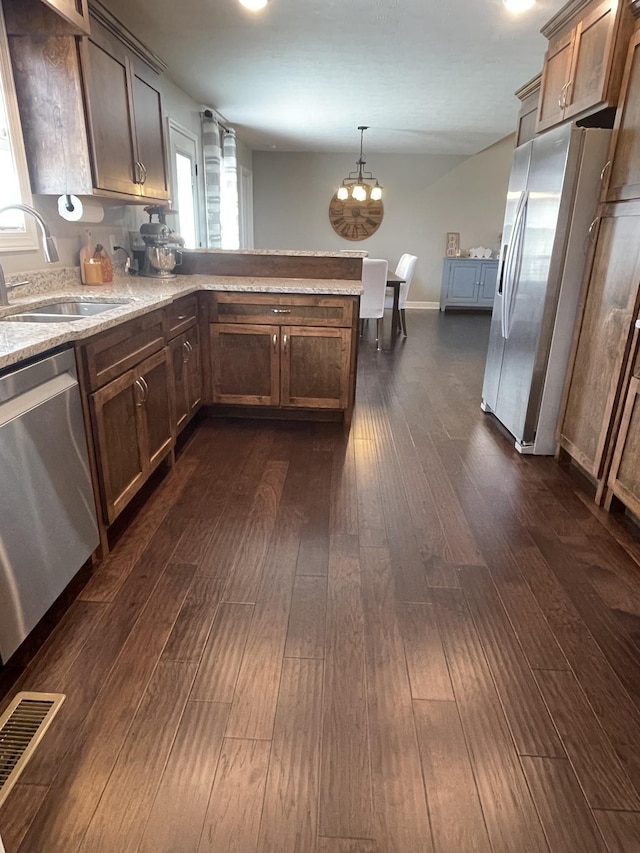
(405, 270)
(374, 282)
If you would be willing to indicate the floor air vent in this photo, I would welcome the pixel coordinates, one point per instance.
(21, 729)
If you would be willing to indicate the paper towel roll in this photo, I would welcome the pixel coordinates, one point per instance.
(75, 209)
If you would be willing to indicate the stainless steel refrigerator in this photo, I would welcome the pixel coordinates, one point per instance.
(552, 198)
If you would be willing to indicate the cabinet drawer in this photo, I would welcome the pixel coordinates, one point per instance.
(182, 315)
(278, 309)
(112, 353)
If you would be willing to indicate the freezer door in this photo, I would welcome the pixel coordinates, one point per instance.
(515, 195)
(531, 296)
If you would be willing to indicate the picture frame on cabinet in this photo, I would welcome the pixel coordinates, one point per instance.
(452, 249)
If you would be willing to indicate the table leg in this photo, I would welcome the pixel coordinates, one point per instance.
(395, 313)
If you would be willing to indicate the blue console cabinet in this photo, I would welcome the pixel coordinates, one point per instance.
(468, 283)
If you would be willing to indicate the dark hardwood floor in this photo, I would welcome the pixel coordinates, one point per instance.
(399, 639)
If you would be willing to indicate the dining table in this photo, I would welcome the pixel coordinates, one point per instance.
(395, 281)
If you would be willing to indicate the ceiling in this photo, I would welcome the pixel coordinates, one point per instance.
(428, 76)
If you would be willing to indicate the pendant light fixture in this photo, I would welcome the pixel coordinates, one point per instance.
(360, 184)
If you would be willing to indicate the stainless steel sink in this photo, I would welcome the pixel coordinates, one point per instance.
(62, 312)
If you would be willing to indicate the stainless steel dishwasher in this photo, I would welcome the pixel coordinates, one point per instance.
(47, 514)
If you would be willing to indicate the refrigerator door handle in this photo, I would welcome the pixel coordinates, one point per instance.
(515, 265)
(508, 265)
(505, 254)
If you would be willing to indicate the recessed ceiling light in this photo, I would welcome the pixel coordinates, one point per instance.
(254, 5)
(518, 5)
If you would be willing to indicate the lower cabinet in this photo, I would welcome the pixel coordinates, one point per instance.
(468, 283)
(624, 477)
(288, 366)
(186, 377)
(132, 430)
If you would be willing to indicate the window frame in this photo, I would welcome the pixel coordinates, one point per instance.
(26, 240)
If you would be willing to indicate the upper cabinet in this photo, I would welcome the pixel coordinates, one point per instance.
(584, 62)
(529, 96)
(91, 112)
(624, 164)
(62, 17)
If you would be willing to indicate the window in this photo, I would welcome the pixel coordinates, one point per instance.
(16, 234)
(183, 148)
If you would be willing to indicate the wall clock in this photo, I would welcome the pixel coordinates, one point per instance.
(355, 220)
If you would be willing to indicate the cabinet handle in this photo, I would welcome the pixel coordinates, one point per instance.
(136, 179)
(281, 310)
(144, 172)
(275, 342)
(182, 316)
(592, 227)
(185, 352)
(140, 396)
(145, 388)
(189, 345)
(285, 340)
(567, 89)
(562, 100)
(604, 171)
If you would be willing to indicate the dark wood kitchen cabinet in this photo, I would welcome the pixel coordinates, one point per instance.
(584, 61)
(132, 430)
(295, 352)
(624, 163)
(102, 132)
(604, 337)
(124, 375)
(186, 363)
(62, 17)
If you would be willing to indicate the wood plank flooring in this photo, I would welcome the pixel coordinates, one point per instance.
(398, 638)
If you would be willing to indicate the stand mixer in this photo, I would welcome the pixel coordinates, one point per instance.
(163, 247)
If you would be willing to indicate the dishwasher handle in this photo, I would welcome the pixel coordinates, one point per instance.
(22, 403)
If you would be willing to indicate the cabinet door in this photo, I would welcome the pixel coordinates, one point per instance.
(116, 427)
(155, 412)
(76, 12)
(591, 59)
(487, 286)
(193, 370)
(555, 77)
(107, 82)
(178, 355)
(603, 341)
(624, 479)
(149, 132)
(315, 367)
(245, 364)
(464, 279)
(624, 174)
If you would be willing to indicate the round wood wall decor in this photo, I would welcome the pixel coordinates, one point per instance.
(355, 220)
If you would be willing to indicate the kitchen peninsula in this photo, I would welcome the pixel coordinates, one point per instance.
(245, 333)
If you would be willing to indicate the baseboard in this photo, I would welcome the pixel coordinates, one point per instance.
(427, 306)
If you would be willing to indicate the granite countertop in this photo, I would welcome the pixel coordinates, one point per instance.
(19, 341)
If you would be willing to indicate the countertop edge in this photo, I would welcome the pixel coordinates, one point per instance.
(21, 341)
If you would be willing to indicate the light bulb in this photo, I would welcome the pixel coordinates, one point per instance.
(376, 193)
(254, 5)
(343, 193)
(518, 5)
(359, 193)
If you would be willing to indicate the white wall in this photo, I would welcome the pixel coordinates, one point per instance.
(424, 197)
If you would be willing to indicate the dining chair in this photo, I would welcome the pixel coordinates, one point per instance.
(405, 269)
(374, 283)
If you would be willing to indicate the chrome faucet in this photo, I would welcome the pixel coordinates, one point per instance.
(48, 247)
